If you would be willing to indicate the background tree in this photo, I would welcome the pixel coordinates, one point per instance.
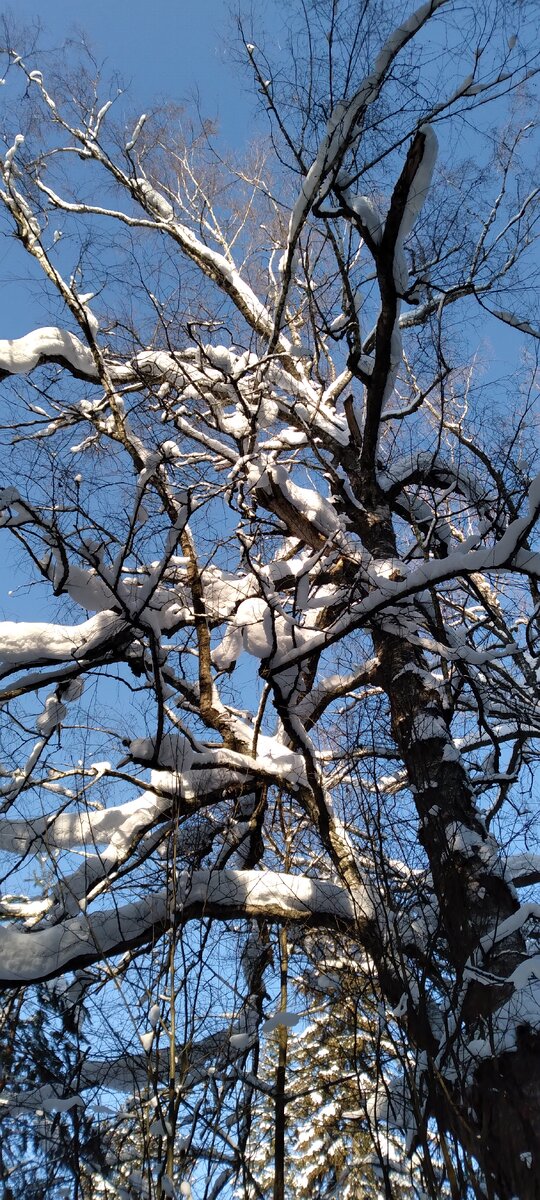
(272, 736)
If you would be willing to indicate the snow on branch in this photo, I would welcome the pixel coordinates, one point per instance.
(19, 356)
(507, 554)
(39, 643)
(63, 830)
(343, 128)
(523, 869)
(90, 938)
(216, 266)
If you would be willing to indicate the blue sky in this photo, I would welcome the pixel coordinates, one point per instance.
(164, 48)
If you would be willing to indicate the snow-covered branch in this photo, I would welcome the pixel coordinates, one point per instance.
(90, 938)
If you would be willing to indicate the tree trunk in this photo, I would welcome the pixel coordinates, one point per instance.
(497, 1114)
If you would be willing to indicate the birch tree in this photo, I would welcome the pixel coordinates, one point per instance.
(270, 731)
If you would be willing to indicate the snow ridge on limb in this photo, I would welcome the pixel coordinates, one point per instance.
(416, 197)
(46, 953)
(19, 356)
(24, 642)
(343, 128)
(406, 204)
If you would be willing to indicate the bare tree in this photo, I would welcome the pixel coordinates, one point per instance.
(268, 781)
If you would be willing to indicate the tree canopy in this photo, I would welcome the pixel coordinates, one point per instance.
(268, 828)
